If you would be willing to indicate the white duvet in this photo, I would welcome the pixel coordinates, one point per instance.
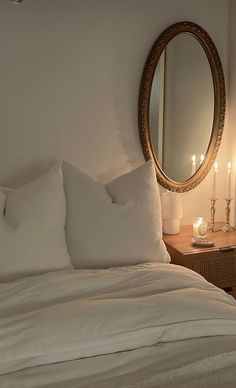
(69, 315)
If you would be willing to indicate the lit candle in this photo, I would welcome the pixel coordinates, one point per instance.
(202, 157)
(193, 165)
(228, 194)
(196, 224)
(199, 227)
(213, 195)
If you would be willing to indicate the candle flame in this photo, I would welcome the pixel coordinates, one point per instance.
(229, 166)
(216, 166)
(202, 157)
(194, 158)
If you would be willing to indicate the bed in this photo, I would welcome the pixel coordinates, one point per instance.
(88, 297)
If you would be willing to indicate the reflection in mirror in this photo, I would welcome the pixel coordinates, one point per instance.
(181, 107)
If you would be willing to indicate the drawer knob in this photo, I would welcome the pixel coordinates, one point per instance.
(226, 249)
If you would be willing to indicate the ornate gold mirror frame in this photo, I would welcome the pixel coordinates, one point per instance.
(219, 103)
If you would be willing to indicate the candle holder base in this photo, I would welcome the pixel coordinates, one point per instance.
(213, 228)
(228, 228)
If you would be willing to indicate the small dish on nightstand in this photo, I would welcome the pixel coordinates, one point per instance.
(204, 242)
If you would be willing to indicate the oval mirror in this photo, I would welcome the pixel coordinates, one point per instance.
(182, 106)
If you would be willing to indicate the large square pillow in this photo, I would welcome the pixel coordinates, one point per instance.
(32, 227)
(114, 224)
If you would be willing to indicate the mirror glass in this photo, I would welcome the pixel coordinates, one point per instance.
(181, 107)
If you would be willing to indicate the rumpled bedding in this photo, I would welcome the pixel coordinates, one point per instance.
(207, 362)
(72, 315)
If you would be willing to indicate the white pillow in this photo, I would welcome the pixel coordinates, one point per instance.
(32, 234)
(113, 225)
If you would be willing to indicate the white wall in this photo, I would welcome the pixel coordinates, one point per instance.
(69, 81)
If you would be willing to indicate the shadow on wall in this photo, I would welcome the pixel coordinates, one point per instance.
(27, 174)
(124, 90)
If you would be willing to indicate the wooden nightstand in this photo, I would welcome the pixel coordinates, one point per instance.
(217, 264)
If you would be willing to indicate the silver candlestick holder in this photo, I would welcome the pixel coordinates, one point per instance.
(227, 227)
(213, 227)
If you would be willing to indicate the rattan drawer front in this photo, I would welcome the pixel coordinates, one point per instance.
(219, 269)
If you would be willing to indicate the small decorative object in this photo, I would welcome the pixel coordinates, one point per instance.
(200, 227)
(227, 227)
(171, 212)
(213, 227)
(200, 232)
(206, 243)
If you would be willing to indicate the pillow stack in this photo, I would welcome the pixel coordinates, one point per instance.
(100, 225)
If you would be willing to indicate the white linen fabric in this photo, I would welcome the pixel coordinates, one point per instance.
(208, 362)
(114, 224)
(32, 235)
(69, 315)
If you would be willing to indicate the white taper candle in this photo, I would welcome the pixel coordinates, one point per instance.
(229, 171)
(214, 184)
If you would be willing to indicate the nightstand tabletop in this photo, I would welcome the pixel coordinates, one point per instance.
(182, 242)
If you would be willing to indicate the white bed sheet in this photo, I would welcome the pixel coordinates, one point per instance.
(196, 363)
(56, 329)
